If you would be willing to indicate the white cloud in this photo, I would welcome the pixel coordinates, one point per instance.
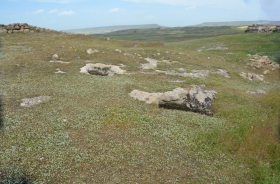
(38, 11)
(59, 1)
(53, 11)
(67, 13)
(114, 10)
(191, 3)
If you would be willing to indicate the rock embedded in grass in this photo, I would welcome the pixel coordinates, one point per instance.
(28, 102)
(258, 92)
(90, 51)
(55, 57)
(101, 69)
(252, 76)
(194, 99)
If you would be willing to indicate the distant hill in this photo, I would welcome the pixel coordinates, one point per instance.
(239, 23)
(172, 34)
(108, 29)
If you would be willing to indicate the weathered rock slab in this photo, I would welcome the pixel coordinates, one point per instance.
(101, 69)
(28, 102)
(194, 99)
(145, 96)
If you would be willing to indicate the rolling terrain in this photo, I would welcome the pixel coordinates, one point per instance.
(172, 34)
(92, 131)
(107, 29)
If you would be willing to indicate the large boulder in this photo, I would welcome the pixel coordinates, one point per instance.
(194, 99)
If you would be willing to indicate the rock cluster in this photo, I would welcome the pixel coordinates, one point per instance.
(194, 99)
(262, 61)
(252, 76)
(17, 28)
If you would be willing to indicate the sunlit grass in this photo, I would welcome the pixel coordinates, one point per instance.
(92, 131)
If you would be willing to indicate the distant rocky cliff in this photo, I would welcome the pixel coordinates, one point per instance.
(24, 27)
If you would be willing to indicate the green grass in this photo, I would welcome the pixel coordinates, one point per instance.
(172, 34)
(91, 131)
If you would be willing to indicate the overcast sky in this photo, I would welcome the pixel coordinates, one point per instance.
(71, 14)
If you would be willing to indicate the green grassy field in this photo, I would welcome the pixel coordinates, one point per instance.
(172, 34)
(92, 131)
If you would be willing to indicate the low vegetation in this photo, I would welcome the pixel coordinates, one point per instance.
(92, 131)
(172, 34)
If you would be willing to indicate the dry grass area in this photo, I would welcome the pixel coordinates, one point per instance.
(92, 131)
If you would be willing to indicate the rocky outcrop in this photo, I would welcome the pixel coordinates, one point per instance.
(258, 62)
(194, 99)
(21, 27)
(101, 69)
(252, 76)
(28, 102)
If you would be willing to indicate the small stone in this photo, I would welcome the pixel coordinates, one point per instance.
(266, 72)
(55, 57)
(118, 50)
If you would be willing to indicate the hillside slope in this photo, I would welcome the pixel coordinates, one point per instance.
(92, 131)
(239, 23)
(172, 34)
(107, 29)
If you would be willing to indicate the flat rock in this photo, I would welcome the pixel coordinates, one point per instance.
(151, 65)
(101, 69)
(258, 92)
(145, 96)
(58, 61)
(28, 102)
